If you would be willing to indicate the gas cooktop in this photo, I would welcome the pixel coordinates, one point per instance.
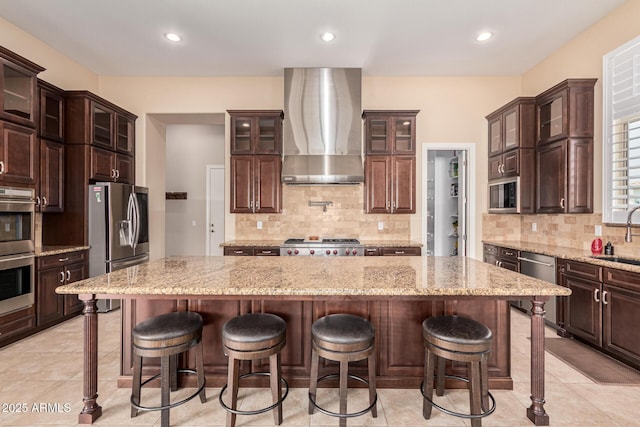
(322, 241)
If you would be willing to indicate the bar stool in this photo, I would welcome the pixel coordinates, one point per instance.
(166, 336)
(252, 337)
(343, 338)
(458, 339)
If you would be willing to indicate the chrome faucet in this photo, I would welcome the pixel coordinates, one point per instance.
(627, 236)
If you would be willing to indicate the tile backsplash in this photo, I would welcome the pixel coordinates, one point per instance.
(345, 217)
(567, 230)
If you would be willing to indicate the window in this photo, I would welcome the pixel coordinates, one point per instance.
(621, 132)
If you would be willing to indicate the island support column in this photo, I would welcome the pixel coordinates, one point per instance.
(536, 412)
(91, 411)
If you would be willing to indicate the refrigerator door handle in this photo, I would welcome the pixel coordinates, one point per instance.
(136, 221)
(130, 219)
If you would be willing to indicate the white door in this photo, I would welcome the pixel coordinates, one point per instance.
(215, 209)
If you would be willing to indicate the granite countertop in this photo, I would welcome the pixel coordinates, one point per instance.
(370, 243)
(565, 253)
(311, 276)
(55, 250)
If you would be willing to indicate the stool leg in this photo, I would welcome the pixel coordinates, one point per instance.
(276, 391)
(440, 376)
(429, 362)
(232, 388)
(313, 378)
(165, 389)
(475, 394)
(344, 370)
(200, 368)
(137, 380)
(372, 384)
(484, 382)
(173, 371)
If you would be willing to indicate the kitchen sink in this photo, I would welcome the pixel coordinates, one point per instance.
(630, 261)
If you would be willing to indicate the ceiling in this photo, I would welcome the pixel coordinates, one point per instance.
(261, 37)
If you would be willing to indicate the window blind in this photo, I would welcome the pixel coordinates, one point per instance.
(621, 139)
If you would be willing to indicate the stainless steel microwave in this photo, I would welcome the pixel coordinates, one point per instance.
(504, 196)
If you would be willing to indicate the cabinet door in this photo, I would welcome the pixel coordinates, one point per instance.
(494, 168)
(511, 163)
(378, 184)
(102, 165)
(495, 136)
(268, 135)
(125, 135)
(400, 251)
(511, 128)
(377, 135)
(124, 169)
(18, 95)
(404, 185)
(404, 134)
(580, 176)
(17, 154)
(267, 171)
(73, 273)
(621, 315)
(552, 120)
(51, 115)
(238, 251)
(583, 314)
(50, 306)
(551, 161)
(241, 134)
(101, 126)
(51, 176)
(241, 184)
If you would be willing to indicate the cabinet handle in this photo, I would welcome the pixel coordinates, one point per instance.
(62, 277)
(562, 203)
(399, 252)
(1, 167)
(596, 295)
(496, 263)
(251, 204)
(509, 253)
(117, 174)
(113, 173)
(37, 201)
(68, 275)
(257, 204)
(44, 201)
(238, 252)
(63, 259)
(604, 297)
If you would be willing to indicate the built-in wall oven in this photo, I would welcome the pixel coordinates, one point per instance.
(504, 196)
(17, 244)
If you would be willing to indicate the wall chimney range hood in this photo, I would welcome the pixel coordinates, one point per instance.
(322, 126)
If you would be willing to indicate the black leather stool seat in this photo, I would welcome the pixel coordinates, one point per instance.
(458, 339)
(254, 328)
(343, 332)
(166, 336)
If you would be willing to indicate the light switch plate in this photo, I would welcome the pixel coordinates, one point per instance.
(598, 230)
(534, 226)
(380, 225)
(259, 225)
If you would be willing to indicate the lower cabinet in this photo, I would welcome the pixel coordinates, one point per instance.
(603, 309)
(501, 257)
(14, 326)
(54, 271)
(393, 251)
(252, 251)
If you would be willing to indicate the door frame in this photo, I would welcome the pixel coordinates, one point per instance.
(470, 148)
(208, 209)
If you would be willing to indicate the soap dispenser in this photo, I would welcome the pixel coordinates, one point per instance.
(608, 249)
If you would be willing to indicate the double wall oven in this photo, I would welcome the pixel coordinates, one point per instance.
(17, 245)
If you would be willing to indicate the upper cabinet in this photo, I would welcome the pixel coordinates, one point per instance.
(18, 88)
(256, 132)
(566, 111)
(18, 154)
(51, 123)
(564, 152)
(390, 132)
(390, 162)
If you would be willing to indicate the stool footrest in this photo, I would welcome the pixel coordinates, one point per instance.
(172, 405)
(459, 414)
(351, 414)
(256, 411)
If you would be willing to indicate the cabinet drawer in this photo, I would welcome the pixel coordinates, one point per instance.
(270, 251)
(624, 279)
(61, 259)
(581, 269)
(491, 250)
(402, 251)
(371, 252)
(17, 323)
(509, 254)
(238, 251)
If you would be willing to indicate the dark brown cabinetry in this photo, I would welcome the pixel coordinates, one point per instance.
(603, 308)
(512, 147)
(256, 162)
(54, 271)
(252, 251)
(501, 257)
(17, 325)
(393, 251)
(18, 88)
(565, 148)
(390, 164)
(99, 146)
(18, 153)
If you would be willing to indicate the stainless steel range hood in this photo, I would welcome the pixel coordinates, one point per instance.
(322, 126)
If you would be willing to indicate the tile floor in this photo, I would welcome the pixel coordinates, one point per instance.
(41, 385)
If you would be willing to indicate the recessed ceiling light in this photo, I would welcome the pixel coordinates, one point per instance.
(484, 36)
(327, 37)
(173, 37)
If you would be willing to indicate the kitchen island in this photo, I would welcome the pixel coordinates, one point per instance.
(395, 293)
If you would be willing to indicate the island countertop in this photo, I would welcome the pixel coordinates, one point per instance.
(311, 276)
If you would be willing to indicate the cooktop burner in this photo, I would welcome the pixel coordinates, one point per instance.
(323, 241)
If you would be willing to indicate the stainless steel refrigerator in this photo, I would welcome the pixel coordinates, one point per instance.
(118, 230)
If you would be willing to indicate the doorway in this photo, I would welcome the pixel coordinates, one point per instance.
(448, 199)
(215, 209)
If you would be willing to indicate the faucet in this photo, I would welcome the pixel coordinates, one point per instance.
(627, 236)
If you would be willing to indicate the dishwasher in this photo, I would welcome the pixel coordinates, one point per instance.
(541, 267)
